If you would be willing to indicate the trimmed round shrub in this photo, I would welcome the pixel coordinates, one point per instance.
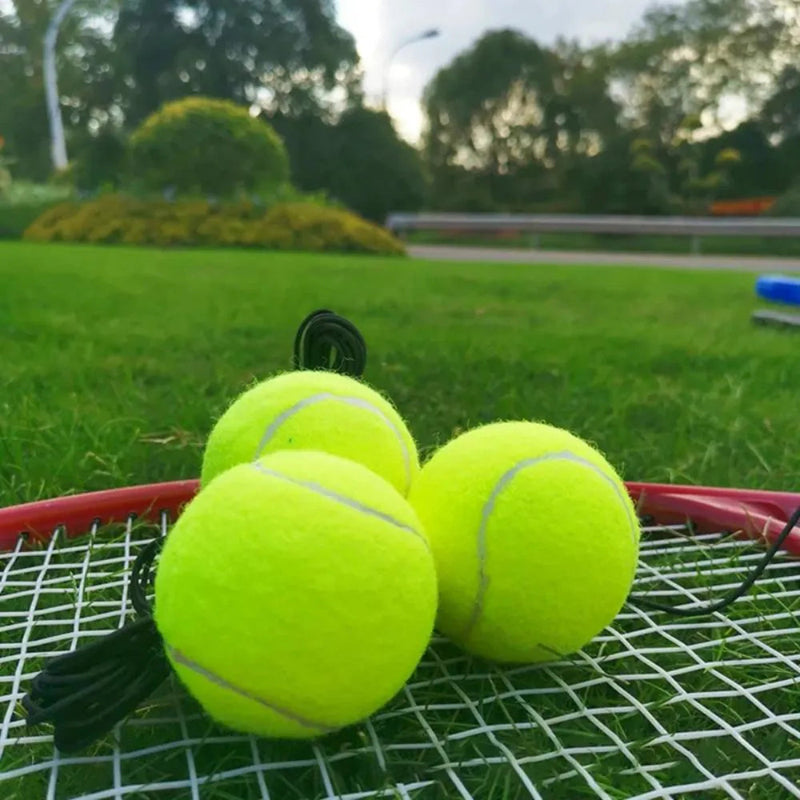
(116, 219)
(202, 146)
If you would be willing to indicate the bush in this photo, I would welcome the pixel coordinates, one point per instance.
(787, 205)
(115, 219)
(209, 147)
(100, 161)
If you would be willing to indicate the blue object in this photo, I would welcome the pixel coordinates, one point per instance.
(779, 289)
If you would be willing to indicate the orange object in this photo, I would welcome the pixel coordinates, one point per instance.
(749, 207)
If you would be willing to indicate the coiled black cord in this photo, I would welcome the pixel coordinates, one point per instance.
(729, 599)
(85, 693)
(330, 342)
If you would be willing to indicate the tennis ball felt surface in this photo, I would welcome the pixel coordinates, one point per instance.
(295, 595)
(314, 410)
(535, 540)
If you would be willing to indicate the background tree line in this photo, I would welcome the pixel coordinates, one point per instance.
(513, 124)
(630, 127)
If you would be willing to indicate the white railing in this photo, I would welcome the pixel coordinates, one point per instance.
(536, 224)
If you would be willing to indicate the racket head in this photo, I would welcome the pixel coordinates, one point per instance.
(654, 707)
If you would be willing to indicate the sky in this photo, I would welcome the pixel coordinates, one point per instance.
(380, 25)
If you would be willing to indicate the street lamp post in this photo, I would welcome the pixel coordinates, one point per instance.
(58, 145)
(433, 33)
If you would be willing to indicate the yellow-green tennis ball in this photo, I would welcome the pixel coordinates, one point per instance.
(314, 410)
(535, 540)
(295, 595)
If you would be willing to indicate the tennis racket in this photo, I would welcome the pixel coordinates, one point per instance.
(655, 707)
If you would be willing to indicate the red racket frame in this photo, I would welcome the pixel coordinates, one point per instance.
(753, 513)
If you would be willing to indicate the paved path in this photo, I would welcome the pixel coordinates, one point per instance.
(730, 263)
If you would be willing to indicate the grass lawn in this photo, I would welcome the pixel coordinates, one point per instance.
(116, 361)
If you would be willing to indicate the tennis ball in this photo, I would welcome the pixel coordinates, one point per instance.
(314, 410)
(535, 540)
(295, 595)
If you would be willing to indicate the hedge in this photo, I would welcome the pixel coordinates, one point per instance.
(116, 219)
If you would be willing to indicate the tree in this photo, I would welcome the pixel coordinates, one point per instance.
(99, 160)
(493, 107)
(5, 172)
(358, 160)
(781, 112)
(648, 162)
(685, 60)
(267, 52)
(781, 115)
(789, 151)
(761, 169)
(23, 112)
(516, 126)
(625, 177)
(119, 60)
(518, 115)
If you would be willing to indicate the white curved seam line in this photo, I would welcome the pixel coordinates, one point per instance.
(488, 508)
(342, 500)
(198, 669)
(358, 402)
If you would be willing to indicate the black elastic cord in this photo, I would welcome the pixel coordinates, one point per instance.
(85, 693)
(330, 342)
(733, 595)
(142, 577)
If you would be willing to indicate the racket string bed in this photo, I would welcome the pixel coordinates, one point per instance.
(656, 707)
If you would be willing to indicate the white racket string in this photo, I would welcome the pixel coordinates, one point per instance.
(655, 707)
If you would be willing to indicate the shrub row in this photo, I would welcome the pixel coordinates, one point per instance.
(116, 219)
